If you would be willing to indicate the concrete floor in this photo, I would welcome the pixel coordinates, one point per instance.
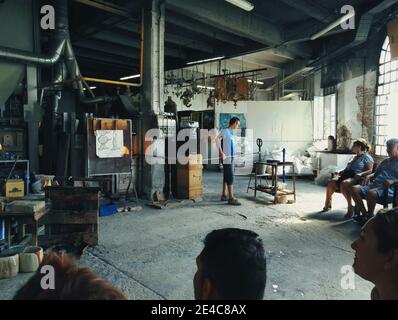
(150, 254)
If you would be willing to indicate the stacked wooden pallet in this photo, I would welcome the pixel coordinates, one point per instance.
(73, 217)
(190, 178)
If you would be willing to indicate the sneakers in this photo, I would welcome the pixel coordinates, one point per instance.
(224, 198)
(234, 202)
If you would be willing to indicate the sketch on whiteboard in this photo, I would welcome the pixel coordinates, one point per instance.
(109, 143)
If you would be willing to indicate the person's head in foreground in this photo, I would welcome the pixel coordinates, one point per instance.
(232, 265)
(70, 282)
(376, 254)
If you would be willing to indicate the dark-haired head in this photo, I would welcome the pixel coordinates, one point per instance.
(232, 265)
(376, 250)
(234, 122)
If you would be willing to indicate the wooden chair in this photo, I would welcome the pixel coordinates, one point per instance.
(385, 201)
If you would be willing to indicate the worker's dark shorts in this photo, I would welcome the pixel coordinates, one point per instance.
(228, 173)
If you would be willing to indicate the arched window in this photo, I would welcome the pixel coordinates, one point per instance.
(386, 121)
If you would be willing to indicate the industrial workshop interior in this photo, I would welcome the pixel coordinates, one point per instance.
(198, 150)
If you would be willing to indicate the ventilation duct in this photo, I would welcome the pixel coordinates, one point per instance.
(61, 34)
(61, 47)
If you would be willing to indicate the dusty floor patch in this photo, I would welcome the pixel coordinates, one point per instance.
(151, 254)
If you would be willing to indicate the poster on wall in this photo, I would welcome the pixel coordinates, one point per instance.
(225, 117)
(109, 143)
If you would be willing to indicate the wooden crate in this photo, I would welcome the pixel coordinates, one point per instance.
(73, 218)
(189, 182)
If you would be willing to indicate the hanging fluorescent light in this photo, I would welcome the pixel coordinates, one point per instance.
(333, 25)
(243, 4)
(130, 77)
(205, 87)
(205, 60)
(92, 88)
(255, 82)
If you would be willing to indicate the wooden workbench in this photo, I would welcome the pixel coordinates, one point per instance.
(273, 189)
(23, 218)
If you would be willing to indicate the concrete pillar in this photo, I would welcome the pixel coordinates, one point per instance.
(153, 176)
(32, 111)
(32, 115)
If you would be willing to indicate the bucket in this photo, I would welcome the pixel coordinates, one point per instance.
(282, 186)
(9, 262)
(30, 259)
(261, 169)
(280, 199)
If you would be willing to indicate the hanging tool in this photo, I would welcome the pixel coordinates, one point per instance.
(259, 143)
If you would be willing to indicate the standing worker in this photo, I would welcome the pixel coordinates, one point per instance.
(227, 151)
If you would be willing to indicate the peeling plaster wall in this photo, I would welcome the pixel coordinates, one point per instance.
(355, 98)
(356, 89)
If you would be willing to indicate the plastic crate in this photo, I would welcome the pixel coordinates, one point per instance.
(107, 210)
(2, 229)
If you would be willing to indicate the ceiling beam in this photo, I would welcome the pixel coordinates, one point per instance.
(260, 62)
(120, 15)
(109, 48)
(188, 43)
(105, 57)
(221, 15)
(134, 42)
(280, 52)
(88, 30)
(111, 8)
(311, 10)
(173, 39)
(203, 29)
(103, 67)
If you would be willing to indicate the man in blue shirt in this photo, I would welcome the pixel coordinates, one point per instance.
(227, 148)
(382, 180)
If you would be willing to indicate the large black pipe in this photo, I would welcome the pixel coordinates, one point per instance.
(61, 47)
(61, 34)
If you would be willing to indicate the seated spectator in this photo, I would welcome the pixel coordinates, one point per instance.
(70, 283)
(376, 254)
(231, 266)
(358, 168)
(385, 176)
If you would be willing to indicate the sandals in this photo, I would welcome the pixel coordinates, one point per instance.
(349, 214)
(324, 209)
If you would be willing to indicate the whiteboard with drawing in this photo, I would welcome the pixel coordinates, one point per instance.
(109, 143)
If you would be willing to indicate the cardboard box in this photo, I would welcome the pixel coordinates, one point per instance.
(15, 188)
